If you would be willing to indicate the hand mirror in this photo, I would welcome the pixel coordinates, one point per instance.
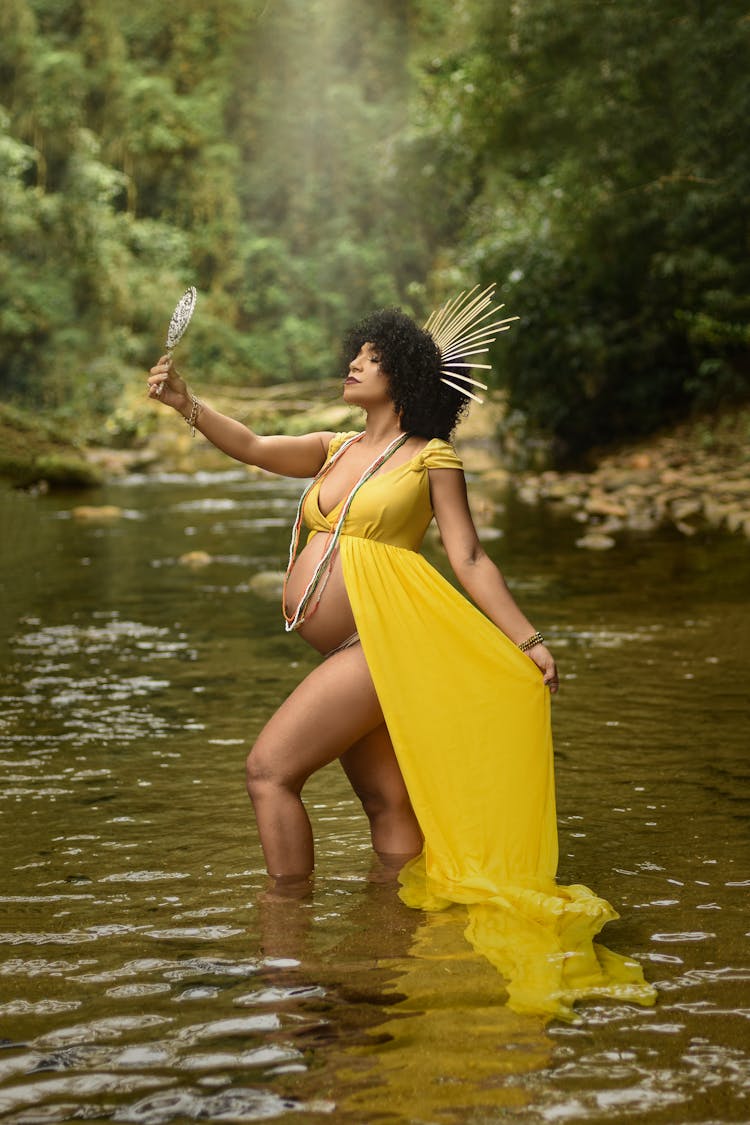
(178, 323)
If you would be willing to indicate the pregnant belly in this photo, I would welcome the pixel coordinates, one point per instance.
(333, 620)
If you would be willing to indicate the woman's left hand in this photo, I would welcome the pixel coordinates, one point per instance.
(544, 660)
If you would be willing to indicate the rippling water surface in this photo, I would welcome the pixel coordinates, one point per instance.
(144, 975)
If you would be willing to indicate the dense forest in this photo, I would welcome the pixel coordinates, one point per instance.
(302, 161)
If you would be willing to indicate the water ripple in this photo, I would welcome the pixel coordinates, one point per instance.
(170, 990)
(239, 1104)
(98, 1030)
(76, 1086)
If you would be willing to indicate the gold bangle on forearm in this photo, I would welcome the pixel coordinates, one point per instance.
(194, 413)
(536, 639)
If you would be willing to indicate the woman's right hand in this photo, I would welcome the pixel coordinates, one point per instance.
(174, 390)
(545, 662)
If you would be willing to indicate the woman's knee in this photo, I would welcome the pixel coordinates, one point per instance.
(263, 773)
(378, 801)
(254, 775)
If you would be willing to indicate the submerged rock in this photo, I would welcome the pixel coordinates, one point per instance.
(195, 560)
(103, 513)
(595, 541)
(267, 584)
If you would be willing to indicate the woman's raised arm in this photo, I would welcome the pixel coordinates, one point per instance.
(288, 456)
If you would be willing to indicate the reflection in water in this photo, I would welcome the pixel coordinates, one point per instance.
(146, 973)
(450, 1047)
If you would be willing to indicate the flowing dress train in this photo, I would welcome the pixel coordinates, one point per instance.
(469, 718)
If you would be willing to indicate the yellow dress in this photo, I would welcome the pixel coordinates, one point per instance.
(469, 718)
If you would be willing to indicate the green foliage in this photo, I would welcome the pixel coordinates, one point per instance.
(624, 133)
(302, 161)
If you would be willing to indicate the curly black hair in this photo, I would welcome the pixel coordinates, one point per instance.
(410, 359)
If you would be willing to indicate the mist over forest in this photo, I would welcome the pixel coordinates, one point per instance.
(304, 161)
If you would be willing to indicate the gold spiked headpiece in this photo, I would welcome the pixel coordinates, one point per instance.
(459, 331)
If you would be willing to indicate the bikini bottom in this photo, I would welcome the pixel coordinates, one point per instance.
(352, 640)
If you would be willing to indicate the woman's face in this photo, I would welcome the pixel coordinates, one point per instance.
(366, 384)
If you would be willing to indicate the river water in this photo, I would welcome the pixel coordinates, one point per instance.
(144, 975)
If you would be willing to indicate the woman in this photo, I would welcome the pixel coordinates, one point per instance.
(438, 712)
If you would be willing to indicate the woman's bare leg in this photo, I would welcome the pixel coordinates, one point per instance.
(333, 708)
(373, 771)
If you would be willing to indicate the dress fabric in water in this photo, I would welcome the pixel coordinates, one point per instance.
(469, 718)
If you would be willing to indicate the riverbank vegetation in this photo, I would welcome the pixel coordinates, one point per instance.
(302, 161)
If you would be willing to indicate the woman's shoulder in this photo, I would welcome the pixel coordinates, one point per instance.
(439, 454)
(338, 440)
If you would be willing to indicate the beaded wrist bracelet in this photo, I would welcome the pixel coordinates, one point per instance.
(194, 414)
(536, 639)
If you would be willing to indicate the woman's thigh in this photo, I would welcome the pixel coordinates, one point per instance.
(333, 708)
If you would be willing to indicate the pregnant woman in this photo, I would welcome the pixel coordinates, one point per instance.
(437, 709)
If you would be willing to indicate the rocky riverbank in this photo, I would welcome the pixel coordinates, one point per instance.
(695, 476)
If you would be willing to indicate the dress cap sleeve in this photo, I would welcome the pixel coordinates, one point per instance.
(439, 454)
(338, 440)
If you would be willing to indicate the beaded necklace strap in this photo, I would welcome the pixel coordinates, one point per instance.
(325, 565)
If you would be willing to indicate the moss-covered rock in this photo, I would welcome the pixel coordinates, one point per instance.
(33, 450)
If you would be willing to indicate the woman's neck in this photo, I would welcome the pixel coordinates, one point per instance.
(382, 425)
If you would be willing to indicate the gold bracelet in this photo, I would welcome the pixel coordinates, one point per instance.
(194, 414)
(536, 639)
